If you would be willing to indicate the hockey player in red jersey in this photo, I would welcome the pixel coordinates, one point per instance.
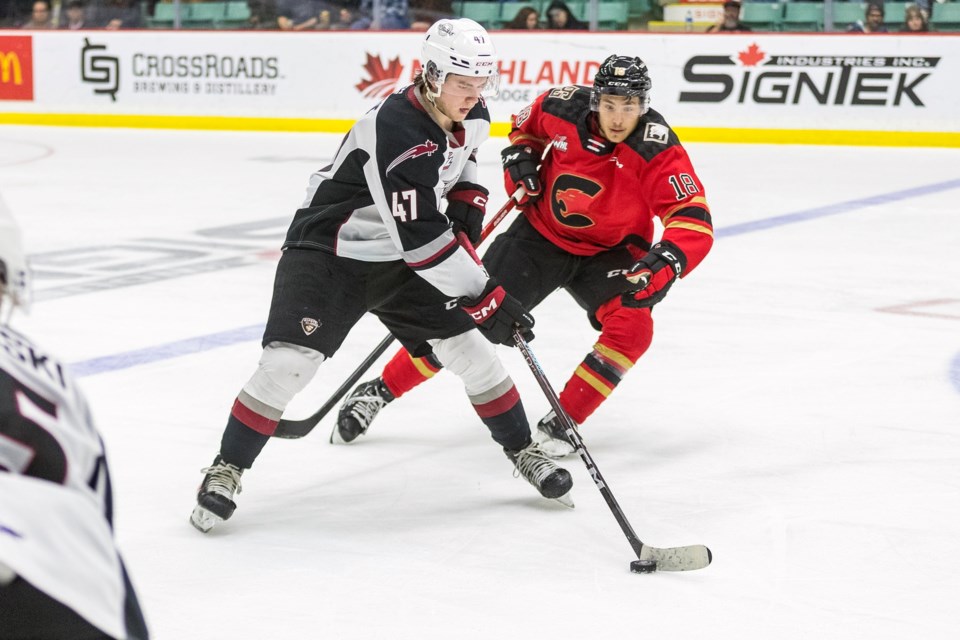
(372, 236)
(61, 575)
(588, 227)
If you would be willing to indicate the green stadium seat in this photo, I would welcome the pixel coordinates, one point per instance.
(893, 13)
(237, 14)
(946, 16)
(803, 16)
(846, 13)
(205, 15)
(486, 13)
(612, 15)
(163, 15)
(762, 16)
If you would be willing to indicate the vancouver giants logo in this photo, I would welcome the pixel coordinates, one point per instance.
(423, 149)
(762, 78)
(571, 199)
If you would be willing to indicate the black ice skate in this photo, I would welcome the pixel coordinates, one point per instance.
(551, 437)
(215, 497)
(359, 410)
(543, 473)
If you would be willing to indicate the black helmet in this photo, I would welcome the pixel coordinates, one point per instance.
(621, 76)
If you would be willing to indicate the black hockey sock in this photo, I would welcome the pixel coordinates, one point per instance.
(510, 429)
(240, 444)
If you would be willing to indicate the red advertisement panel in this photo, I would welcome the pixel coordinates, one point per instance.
(16, 68)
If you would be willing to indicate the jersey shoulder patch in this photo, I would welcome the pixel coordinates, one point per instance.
(652, 136)
(567, 103)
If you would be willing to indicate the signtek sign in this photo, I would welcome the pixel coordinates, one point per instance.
(16, 68)
(851, 80)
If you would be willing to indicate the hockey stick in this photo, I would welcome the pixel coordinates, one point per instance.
(648, 558)
(291, 429)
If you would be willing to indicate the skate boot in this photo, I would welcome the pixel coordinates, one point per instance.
(215, 496)
(543, 473)
(359, 409)
(551, 438)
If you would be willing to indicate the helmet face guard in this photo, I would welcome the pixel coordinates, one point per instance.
(621, 76)
(459, 47)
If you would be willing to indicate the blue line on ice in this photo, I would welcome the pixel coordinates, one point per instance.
(189, 346)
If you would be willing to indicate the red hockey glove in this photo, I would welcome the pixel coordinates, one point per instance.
(497, 314)
(466, 206)
(654, 275)
(520, 170)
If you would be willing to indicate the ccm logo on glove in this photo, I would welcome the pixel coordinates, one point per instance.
(654, 274)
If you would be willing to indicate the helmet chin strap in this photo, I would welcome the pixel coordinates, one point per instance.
(431, 99)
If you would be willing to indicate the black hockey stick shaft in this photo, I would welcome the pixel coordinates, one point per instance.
(569, 426)
(570, 429)
(687, 558)
(299, 428)
(291, 429)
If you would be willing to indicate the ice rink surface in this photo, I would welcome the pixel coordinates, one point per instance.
(798, 412)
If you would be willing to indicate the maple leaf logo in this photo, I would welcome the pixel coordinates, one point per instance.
(381, 79)
(751, 56)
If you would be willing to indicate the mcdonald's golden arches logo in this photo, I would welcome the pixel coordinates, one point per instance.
(16, 68)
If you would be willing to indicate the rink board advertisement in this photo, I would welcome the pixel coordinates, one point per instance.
(709, 85)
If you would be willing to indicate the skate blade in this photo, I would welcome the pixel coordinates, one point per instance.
(204, 520)
(566, 500)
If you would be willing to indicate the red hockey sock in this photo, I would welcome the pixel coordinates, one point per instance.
(404, 372)
(626, 335)
(593, 381)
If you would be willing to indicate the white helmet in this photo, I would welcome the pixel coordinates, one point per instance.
(463, 47)
(14, 275)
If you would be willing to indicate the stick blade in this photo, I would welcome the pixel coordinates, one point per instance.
(291, 429)
(688, 558)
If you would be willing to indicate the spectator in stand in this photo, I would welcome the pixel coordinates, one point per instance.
(559, 16)
(872, 22)
(117, 14)
(263, 14)
(730, 20)
(393, 15)
(324, 18)
(345, 17)
(40, 17)
(526, 18)
(423, 13)
(297, 15)
(914, 21)
(74, 16)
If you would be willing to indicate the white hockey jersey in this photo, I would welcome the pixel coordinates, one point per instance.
(55, 497)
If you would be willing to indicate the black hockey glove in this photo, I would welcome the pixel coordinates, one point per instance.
(497, 314)
(466, 206)
(654, 275)
(520, 170)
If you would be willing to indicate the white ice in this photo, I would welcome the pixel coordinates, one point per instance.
(798, 412)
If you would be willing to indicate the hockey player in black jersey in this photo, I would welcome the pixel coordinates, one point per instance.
(60, 573)
(372, 235)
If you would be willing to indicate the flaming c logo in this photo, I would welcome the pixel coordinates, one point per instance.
(571, 198)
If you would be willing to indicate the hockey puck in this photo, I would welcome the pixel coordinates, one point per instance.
(643, 566)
